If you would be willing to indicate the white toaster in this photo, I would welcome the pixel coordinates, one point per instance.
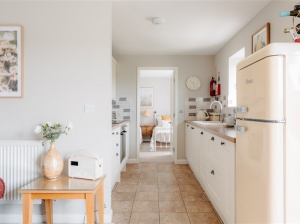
(85, 167)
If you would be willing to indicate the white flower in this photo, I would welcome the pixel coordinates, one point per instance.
(37, 129)
(49, 123)
(70, 126)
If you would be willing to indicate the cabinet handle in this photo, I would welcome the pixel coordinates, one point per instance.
(117, 133)
(192, 128)
(187, 125)
(212, 172)
(222, 143)
(117, 154)
(113, 133)
(117, 144)
(201, 132)
(212, 138)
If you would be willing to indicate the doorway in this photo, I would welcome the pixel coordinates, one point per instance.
(157, 114)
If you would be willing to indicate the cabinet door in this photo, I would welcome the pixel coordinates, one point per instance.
(116, 147)
(188, 141)
(203, 139)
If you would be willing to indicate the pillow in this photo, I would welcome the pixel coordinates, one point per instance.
(166, 124)
(158, 122)
(165, 118)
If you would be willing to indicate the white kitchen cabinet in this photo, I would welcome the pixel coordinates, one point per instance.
(116, 150)
(114, 78)
(212, 160)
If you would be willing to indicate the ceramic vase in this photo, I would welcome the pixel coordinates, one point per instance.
(53, 163)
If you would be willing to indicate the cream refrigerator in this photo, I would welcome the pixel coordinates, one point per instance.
(268, 136)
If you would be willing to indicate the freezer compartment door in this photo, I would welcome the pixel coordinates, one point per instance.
(260, 89)
(259, 173)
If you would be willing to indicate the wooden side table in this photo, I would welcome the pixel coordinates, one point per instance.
(147, 130)
(63, 188)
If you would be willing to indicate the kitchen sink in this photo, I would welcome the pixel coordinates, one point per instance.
(215, 123)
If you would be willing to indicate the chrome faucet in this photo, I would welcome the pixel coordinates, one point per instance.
(221, 115)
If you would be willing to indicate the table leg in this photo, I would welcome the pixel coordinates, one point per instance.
(100, 200)
(49, 210)
(89, 204)
(27, 208)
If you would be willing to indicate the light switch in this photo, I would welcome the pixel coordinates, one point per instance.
(89, 108)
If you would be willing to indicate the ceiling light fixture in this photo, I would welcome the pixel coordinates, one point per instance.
(158, 20)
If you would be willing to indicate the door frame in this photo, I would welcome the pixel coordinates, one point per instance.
(174, 109)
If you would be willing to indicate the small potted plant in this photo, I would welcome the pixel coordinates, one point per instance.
(53, 163)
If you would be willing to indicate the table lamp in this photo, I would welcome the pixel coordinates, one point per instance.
(146, 114)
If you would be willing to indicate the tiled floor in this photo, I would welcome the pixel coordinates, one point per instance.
(160, 193)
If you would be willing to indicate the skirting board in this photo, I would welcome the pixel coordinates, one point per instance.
(133, 161)
(63, 219)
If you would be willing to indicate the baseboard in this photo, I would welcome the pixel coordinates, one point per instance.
(133, 161)
(181, 161)
(63, 219)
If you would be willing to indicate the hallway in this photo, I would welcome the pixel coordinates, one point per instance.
(160, 193)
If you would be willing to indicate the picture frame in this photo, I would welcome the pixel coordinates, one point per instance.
(11, 61)
(146, 97)
(261, 38)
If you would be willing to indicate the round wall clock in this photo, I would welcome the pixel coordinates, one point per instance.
(193, 83)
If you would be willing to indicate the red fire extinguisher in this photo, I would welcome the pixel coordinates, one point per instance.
(212, 87)
(218, 90)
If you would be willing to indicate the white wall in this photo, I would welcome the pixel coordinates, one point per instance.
(67, 63)
(201, 66)
(270, 14)
(161, 97)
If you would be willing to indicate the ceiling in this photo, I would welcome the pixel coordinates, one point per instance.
(195, 27)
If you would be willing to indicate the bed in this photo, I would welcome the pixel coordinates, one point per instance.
(162, 131)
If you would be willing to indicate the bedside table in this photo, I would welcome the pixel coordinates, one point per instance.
(147, 131)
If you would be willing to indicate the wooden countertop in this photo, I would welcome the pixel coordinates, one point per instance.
(114, 126)
(227, 133)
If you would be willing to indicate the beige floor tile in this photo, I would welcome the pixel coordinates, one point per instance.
(149, 166)
(193, 196)
(198, 206)
(148, 181)
(148, 175)
(191, 181)
(145, 206)
(184, 176)
(166, 175)
(123, 196)
(190, 188)
(205, 218)
(167, 181)
(133, 166)
(146, 196)
(178, 171)
(173, 218)
(121, 217)
(147, 188)
(133, 170)
(171, 206)
(170, 196)
(164, 167)
(129, 181)
(122, 206)
(126, 187)
(147, 218)
(168, 188)
(129, 175)
(180, 166)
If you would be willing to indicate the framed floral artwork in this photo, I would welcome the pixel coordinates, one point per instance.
(11, 63)
(261, 38)
(146, 97)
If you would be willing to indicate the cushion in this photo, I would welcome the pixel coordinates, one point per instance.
(166, 124)
(165, 118)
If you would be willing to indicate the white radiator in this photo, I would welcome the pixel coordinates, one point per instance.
(20, 163)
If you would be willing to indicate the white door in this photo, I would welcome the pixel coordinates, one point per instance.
(259, 173)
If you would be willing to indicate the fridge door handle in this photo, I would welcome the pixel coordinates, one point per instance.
(242, 109)
(240, 128)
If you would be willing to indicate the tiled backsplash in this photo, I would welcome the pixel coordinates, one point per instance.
(121, 106)
(192, 105)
